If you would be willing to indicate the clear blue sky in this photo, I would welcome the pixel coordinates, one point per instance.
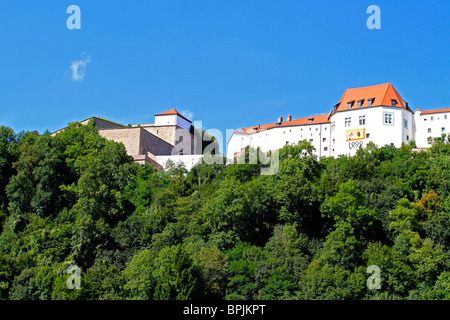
(230, 63)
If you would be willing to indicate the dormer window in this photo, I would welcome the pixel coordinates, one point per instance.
(393, 102)
(370, 102)
(310, 119)
(349, 105)
(360, 102)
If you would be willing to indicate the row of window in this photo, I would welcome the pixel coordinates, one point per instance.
(388, 119)
(432, 118)
(311, 141)
(348, 121)
(369, 103)
(442, 130)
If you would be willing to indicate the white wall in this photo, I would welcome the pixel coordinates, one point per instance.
(436, 125)
(166, 120)
(237, 142)
(189, 161)
(172, 120)
(182, 123)
(278, 137)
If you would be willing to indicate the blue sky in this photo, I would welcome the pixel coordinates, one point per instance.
(230, 63)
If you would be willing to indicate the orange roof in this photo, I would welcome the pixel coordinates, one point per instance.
(435, 111)
(171, 112)
(381, 95)
(323, 118)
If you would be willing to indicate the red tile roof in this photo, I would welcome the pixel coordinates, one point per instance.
(323, 118)
(434, 111)
(381, 94)
(171, 112)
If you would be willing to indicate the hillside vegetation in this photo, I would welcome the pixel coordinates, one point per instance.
(220, 232)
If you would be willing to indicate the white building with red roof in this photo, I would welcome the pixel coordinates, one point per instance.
(375, 114)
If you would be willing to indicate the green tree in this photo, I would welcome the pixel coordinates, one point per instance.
(176, 275)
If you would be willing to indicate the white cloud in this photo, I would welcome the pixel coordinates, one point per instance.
(188, 114)
(78, 68)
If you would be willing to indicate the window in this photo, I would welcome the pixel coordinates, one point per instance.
(393, 102)
(405, 123)
(300, 142)
(445, 117)
(349, 105)
(333, 124)
(324, 139)
(362, 120)
(369, 102)
(287, 142)
(429, 130)
(325, 149)
(432, 118)
(310, 140)
(424, 119)
(442, 129)
(334, 141)
(359, 104)
(348, 122)
(367, 135)
(388, 118)
(407, 138)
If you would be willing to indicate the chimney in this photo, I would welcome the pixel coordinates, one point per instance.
(289, 117)
(280, 119)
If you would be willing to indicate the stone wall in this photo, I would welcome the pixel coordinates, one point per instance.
(179, 138)
(154, 145)
(103, 124)
(138, 141)
(166, 133)
(130, 137)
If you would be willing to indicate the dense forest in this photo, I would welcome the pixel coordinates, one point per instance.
(220, 231)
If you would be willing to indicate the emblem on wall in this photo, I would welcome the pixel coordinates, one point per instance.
(356, 134)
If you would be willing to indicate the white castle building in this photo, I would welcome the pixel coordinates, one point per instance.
(375, 114)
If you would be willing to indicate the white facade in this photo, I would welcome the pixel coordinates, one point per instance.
(432, 124)
(189, 161)
(380, 125)
(276, 138)
(172, 120)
